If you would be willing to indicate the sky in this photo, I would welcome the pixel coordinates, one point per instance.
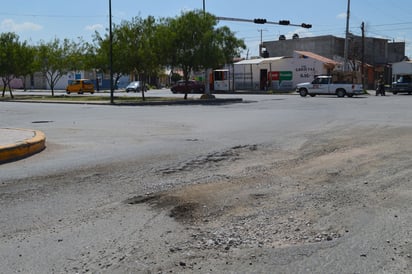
(44, 20)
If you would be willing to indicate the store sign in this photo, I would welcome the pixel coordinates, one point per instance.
(280, 75)
(305, 72)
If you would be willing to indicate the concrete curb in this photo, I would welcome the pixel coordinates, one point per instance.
(144, 103)
(23, 148)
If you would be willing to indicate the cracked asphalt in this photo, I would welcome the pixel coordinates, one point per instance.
(292, 185)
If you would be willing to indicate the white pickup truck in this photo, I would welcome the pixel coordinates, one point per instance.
(323, 85)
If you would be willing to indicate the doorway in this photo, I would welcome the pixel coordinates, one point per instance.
(263, 79)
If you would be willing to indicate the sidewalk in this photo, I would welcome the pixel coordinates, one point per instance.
(16, 144)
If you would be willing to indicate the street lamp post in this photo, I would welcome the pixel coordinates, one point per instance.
(207, 87)
(111, 52)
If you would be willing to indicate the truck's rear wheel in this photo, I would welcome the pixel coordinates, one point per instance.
(341, 92)
(303, 92)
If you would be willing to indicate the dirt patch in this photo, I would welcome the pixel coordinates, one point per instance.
(344, 195)
(281, 198)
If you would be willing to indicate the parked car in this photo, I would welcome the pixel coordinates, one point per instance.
(402, 85)
(192, 86)
(80, 86)
(133, 86)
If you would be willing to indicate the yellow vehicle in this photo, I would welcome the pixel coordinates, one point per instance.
(80, 86)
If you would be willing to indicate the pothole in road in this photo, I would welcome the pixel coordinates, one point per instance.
(185, 211)
(178, 209)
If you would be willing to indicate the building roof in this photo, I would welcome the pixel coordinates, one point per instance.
(326, 61)
(258, 61)
(329, 63)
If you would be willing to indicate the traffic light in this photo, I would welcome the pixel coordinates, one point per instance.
(284, 22)
(306, 26)
(259, 21)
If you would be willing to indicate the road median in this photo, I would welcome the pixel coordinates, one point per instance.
(17, 144)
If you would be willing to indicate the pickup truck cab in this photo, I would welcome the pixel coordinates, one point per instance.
(402, 85)
(323, 85)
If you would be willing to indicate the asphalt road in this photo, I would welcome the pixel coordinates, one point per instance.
(87, 135)
(123, 140)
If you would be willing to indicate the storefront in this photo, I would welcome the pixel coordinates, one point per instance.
(280, 73)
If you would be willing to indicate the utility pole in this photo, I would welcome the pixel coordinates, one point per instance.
(345, 67)
(363, 54)
(207, 70)
(111, 52)
(261, 42)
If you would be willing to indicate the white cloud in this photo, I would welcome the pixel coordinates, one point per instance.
(94, 27)
(12, 26)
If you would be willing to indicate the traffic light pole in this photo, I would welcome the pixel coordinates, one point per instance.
(264, 21)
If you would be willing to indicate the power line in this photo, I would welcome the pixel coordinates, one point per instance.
(53, 16)
(392, 24)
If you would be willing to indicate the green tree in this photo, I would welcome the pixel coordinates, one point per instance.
(16, 59)
(134, 49)
(52, 59)
(102, 54)
(192, 42)
(25, 62)
(78, 55)
(147, 61)
(56, 58)
(143, 51)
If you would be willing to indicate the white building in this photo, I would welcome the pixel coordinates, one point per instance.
(280, 73)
